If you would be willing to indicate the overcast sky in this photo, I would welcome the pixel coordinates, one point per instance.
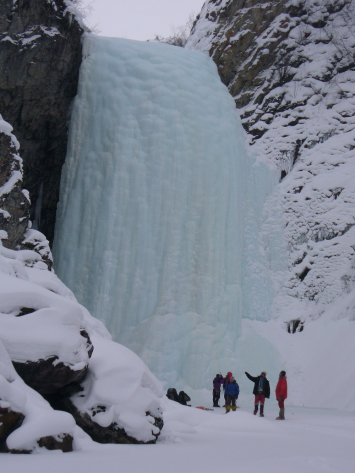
(140, 19)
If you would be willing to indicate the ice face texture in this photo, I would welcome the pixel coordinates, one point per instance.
(149, 230)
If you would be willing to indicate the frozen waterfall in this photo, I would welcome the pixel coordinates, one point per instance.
(149, 232)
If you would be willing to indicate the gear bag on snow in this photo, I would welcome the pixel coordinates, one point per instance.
(172, 394)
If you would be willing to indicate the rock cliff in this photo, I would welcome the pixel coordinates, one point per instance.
(14, 202)
(290, 66)
(40, 56)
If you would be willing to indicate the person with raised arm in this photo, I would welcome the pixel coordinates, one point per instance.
(261, 391)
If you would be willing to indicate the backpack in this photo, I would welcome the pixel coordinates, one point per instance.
(172, 394)
(183, 398)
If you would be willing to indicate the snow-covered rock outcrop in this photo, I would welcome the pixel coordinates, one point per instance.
(46, 337)
(119, 400)
(14, 202)
(27, 421)
(290, 66)
(49, 345)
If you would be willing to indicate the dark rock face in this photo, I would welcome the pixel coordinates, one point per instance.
(39, 245)
(9, 421)
(89, 345)
(234, 45)
(259, 47)
(63, 443)
(46, 377)
(290, 67)
(13, 204)
(40, 56)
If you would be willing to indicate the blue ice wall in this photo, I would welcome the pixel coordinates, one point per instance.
(149, 233)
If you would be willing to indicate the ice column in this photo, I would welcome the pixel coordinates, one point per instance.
(149, 229)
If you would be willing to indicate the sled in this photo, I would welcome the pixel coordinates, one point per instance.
(205, 408)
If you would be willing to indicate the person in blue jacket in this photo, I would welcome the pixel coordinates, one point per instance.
(232, 393)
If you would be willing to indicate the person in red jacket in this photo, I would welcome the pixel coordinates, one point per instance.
(281, 394)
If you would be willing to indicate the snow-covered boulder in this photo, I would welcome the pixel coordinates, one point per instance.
(120, 401)
(48, 335)
(40, 329)
(27, 421)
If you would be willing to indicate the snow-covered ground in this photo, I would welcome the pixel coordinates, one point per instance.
(310, 440)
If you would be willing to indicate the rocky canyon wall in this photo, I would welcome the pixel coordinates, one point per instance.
(290, 66)
(40, 56)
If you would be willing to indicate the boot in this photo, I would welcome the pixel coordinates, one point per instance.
(256, 409)
(281, 414)
(228, 408)
(261, 410)
(234, 408)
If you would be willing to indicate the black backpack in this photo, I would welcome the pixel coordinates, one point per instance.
(172, 394)
(183, 398)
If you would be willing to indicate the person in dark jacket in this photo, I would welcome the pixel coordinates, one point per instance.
(217, 383)
(261, 391)
(232, 393)
(281, 394)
